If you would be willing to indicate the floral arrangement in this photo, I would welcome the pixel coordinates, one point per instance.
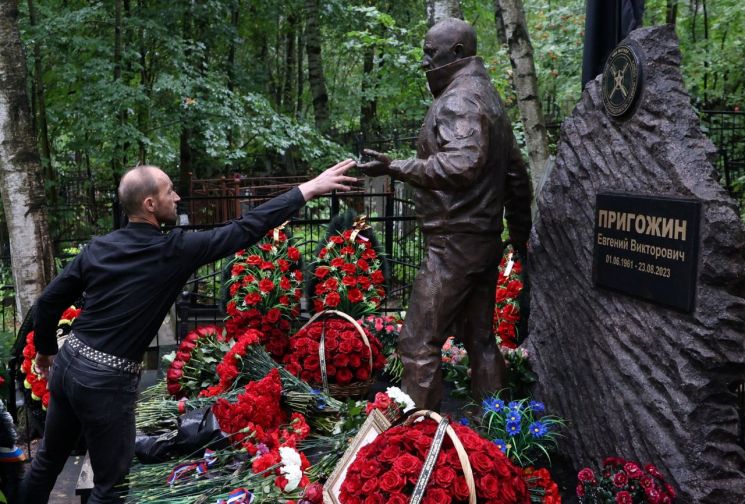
(265, 290)
(541, 484)
(387, 329)
(624, 482)
(348, 274)
(347, 356)
(387, 469)
(507, 308)
(192, 367)
(231, 366)
(393, 403)
(520, 429)
(33, 381)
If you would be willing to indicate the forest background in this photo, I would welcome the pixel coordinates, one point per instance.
(223, 87)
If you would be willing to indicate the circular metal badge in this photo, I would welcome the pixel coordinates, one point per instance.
(622, 80)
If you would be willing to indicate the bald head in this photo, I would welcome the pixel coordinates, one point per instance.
(449, 40)
(136, 185)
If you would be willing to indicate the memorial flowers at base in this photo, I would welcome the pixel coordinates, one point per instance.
(191, 368)
(387, 469)
(348, 274)
(348, 359)
(387, 329)
(622, 481)
(506, 306)
(33, 382)
(520, 429)
(265, 290)
(543, 488)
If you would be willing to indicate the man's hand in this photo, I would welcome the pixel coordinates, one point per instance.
(42, 364)
(331, 179)
(379, 166)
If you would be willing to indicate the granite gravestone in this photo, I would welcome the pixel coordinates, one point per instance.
(637, 376)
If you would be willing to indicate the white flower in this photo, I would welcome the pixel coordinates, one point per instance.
(291, 467)
(401, 397)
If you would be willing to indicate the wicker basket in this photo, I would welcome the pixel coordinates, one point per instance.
(435, 451)
(354, 390)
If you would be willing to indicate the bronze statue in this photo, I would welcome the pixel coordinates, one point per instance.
(468, 173)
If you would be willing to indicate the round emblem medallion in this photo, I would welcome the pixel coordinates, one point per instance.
(622, 78)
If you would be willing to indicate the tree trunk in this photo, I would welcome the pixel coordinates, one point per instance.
(315, 65)
(671, 14)
(288, 102)
(441, 9)
(143, 109)
(50, 175)
(299, 81)
(116, 157)
(499, 24)
(21, 181)
(526, 86)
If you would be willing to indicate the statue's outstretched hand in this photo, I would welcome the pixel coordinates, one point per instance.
(380, 165)
(333, 178)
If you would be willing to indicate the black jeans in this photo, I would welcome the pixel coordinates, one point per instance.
(97, 401)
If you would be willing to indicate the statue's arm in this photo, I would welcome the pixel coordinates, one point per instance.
(463, 144)
(517, 197)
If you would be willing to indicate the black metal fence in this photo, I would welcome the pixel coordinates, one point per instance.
(726, 129)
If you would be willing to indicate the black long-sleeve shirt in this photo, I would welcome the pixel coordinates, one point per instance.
(133, 275)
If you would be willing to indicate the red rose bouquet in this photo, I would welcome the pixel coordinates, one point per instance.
(192, 367)
(386, 470)
(34, 382)
(507, 309)
(348, 275)
(265, 290)
(348, 358)
(623, 482)
(540, 484)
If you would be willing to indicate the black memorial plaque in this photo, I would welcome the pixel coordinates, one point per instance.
(647, 247)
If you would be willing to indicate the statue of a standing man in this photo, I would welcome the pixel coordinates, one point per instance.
(468, 174)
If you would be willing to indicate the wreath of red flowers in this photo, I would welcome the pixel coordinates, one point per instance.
(347, 357)
(349, 275)
(265, 290)
(231, 365)
(192, 367)
(34, 382)
(386, 470)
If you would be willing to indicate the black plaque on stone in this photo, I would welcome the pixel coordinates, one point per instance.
(647, 247)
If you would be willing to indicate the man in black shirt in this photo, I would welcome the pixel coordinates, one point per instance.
(130, 278)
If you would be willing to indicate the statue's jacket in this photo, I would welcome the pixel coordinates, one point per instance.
(468, 168)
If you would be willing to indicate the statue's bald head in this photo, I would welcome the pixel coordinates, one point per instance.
(136, 185)
(449, 40)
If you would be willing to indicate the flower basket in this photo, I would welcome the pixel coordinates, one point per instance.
(324, 354)
(427, 460)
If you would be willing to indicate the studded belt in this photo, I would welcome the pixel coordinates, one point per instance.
(112, 361)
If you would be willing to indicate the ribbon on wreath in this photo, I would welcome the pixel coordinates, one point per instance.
(200, 467)
(275, 235)
(237, 496)
(360, 224)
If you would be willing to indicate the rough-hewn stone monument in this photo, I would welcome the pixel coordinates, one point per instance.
(634, 378)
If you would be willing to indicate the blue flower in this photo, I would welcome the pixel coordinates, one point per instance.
(513, 416)
(537, 406)
(464, 421)
(514, 406)
(501, 445)
(538, 429)
(320, 401)
(513, 428)
(493, 404)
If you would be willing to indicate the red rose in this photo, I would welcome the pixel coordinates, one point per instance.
(370, 486)
(284, 266)
(632, 470)
(620, 479)
(298, 275)
(364, 282)
(624, 497)
(312, 363)
(349, 269)
(252, 298)
(355, 295)
(284, 283)
(355, 361)
(336, 239)
(331, 284)
(444, 476)
(253, 260)
(332, 299)
(321, 272)
(177, 364)
(349, 281)
(314, 493)
(389, 453)
(460, 489)
(173, 388)
(481, 462)
(337, 262)
(343, 376)
(646, 481)
(234, 289)
(651, 469)
(398, 498)
(407, 464)
(488, 486)
(362, 374)
(293, 254)
(586, 475)
(377, 277)
(237, 269)
(266, 285)
(273, 315)
(174, 374)
(363, 265)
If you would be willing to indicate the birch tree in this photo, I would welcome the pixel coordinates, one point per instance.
(526, 86)
(21, 181)
(441, 9)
